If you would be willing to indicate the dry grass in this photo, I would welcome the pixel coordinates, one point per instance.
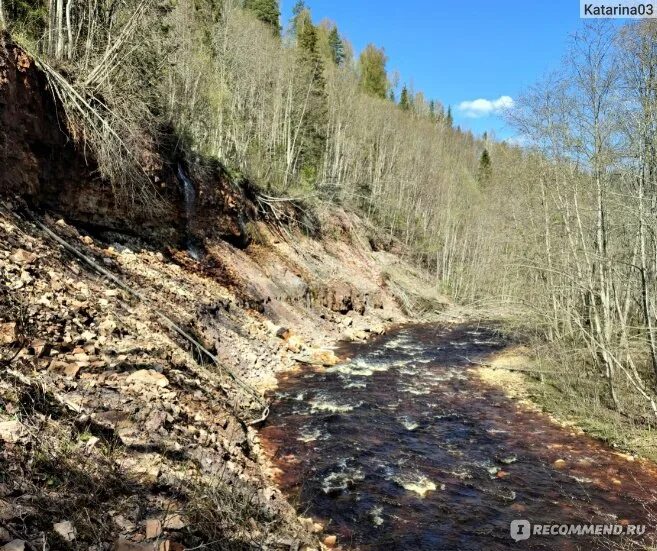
(229, 515)
(55, 478)
(416, 296)
(571, 393)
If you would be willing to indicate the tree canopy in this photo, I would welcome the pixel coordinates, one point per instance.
(372, 69)
(267, 11)
(337, 46)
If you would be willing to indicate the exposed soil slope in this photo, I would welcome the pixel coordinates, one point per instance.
(110, 421)
(40, 161)
(115, 430)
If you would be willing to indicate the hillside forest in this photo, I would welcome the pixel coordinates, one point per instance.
(557, 230)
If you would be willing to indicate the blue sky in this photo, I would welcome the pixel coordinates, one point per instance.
(455, 50)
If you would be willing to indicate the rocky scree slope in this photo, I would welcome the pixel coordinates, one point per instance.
(115, 431)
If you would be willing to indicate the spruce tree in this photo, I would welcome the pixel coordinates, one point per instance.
(449, 120)
(485, 173)
(337, 47)
(404, 101)
(312, 100)
(297, 11)
(299, 7)
(306, 34)
(267, 11)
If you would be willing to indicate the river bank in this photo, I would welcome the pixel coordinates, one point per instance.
(104, 409)
(115, 426)
(540, 382)
(138, 338)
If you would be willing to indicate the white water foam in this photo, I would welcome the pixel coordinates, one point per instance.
(360, 368)
(375, 514)
(343, 479)
(325, 405)
(307, 435)
(356, 384)
(415, 482)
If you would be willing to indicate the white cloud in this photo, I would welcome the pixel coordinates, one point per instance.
(484, 107)
(520, 140)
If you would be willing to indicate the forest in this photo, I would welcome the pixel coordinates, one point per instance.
(558, 231)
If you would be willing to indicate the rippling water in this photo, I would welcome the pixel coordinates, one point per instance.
(402, 447)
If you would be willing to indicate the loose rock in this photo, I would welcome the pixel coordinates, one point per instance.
(148, 377)
(65, 529)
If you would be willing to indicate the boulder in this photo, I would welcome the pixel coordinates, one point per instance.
(326, 358)
(174, 522)
(283, 333)
(67, 369)
(22, 257)
(153, 528)
(559, 464)
(14, 545)
(124, 545)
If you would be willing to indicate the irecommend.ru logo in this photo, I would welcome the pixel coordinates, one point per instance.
(522, 529)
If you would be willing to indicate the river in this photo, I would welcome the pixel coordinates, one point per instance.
(403, 447)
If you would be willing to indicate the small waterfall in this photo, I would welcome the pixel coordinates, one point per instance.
(189, 193)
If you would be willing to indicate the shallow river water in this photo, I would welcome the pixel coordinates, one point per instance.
(402, 447)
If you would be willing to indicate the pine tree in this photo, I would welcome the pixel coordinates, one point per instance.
(449, 120)
(267, 11)
(337, 47)
(373, 76)
(404, 101)
(485, 173)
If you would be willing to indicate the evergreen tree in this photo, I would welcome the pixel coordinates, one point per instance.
(404, 101)
(306, 34)
(448, 118)
(485, 173)
(297, 11)
(373, 76)
(312, 100)
(267, 11)
(432, 111)
(337, 47)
